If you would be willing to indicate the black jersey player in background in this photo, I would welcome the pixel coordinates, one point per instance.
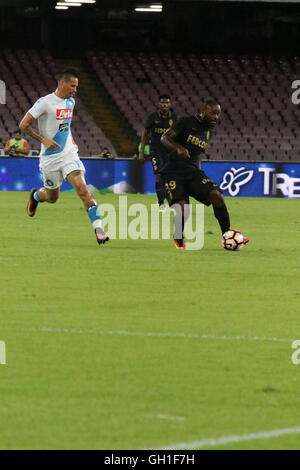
(181, 174)
(155, 125)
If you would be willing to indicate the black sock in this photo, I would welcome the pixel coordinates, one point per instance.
(222, 216)
(160, 192)
(180, 217)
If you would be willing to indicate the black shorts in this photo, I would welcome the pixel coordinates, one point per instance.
(157, 163)
(179, 187)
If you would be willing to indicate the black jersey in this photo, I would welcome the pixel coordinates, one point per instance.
(157, 125)
(193, 134)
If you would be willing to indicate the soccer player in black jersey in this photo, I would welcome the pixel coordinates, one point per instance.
(155, 125)
(181, 174)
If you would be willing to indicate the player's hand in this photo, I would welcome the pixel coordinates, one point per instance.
(183, 152)
(49, 143)
(142, 158)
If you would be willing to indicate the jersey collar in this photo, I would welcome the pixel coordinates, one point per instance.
(168, 115)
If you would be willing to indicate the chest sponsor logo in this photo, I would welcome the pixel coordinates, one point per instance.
(196, 141)
(64, 113)
(160, 130)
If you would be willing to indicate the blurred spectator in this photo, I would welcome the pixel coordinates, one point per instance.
(17, 146)
(105, 154)
(146, 151)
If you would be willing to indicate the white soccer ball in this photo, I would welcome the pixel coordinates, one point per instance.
(232, 240)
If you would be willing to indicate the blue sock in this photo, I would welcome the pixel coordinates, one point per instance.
(36, 196)
(94, 216)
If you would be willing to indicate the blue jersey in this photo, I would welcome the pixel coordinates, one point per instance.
(54, 117)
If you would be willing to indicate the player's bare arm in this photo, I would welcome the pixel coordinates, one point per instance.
(25, 126)
(144, 141)
(168, 140)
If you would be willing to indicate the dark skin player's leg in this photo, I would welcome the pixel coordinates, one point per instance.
(182, 212)
(220, 209)
(159, 189)
(216, 198)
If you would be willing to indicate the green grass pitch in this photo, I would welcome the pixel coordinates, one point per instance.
(136, 345)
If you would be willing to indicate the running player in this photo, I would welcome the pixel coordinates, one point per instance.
(155, 125)
(181, 174)
(59, 154)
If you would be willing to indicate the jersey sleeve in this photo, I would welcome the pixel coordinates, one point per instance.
(179, 125)
(38, 108)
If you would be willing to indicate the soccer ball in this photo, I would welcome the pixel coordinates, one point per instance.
(232, 240)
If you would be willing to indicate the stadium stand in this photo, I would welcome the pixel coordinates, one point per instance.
(259, 120)
(26, 84)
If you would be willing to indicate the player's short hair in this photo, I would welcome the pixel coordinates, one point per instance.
(164, 96)
(17, 131)
(211, 102)
(67, 74)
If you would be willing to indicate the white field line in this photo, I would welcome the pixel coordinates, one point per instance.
(149, 334)
(166, 417)
(219, 441)
(213, 442)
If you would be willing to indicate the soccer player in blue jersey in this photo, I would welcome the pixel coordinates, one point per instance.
(59, 154)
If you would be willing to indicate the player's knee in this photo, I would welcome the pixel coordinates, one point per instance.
(181, 207)
(216, 198)
(184, 204)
